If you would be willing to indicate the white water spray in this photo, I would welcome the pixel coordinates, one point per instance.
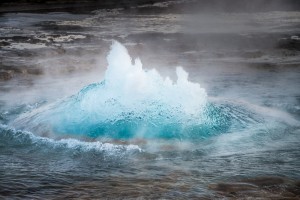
(136, 89)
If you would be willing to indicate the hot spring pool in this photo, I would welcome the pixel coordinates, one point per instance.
(138, 134)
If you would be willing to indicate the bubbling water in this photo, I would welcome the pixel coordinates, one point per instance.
(132, 102)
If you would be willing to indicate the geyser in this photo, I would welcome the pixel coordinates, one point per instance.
(132, 102)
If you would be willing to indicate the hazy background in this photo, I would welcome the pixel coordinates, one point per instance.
(182, 5)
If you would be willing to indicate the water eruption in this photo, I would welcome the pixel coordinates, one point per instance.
(131, 102)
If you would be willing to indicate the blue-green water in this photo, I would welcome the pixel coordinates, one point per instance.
(133, 103)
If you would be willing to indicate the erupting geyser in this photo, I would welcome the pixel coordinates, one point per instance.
(131, 102)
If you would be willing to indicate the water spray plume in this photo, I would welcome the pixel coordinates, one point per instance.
(132, 102)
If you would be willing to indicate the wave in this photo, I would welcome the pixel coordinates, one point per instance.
(17, 138)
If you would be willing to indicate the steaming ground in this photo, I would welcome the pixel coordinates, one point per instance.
(247, 63)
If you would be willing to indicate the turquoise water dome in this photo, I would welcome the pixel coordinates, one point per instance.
(132, 102)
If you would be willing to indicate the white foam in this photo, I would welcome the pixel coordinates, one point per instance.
(135, 89)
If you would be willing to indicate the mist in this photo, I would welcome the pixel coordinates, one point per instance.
(149, 99)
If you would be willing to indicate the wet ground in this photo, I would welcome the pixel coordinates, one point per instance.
(248, 62)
